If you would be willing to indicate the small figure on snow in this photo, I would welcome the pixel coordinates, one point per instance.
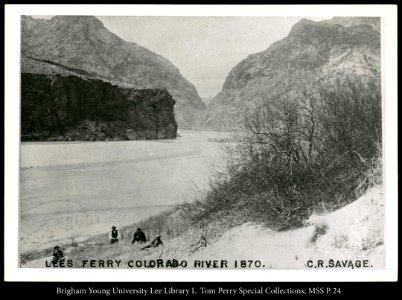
(155, 243)
(58, 255)
(139, 236)
(114, 235)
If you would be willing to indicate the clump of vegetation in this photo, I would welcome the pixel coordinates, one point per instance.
(314, 151)
(168, 224)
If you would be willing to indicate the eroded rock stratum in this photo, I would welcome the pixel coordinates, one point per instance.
(68, 107)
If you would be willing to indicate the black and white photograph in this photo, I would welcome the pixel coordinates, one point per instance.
(203, 142)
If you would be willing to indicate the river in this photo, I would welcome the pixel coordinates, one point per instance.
(72, 190)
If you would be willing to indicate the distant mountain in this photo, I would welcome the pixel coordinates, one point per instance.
(207, 100)
(83, 42)
(313, 52)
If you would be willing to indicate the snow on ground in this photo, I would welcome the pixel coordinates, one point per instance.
(351, 234)
(354, 232)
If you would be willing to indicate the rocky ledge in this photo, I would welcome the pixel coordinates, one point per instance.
(67, 108)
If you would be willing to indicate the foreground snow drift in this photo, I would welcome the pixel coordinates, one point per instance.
(345, 238)
(351, 237)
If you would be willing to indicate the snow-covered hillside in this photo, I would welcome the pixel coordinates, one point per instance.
(354, 232)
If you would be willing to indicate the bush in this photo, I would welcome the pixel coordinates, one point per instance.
(302, 153)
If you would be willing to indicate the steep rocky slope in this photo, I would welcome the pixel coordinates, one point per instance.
(59, 103)
(313, 53)
(83, 42)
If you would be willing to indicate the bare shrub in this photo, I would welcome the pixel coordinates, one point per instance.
(310, 151)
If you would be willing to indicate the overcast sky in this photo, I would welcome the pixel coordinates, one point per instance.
(205, 49)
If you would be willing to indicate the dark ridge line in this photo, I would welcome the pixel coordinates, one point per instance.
(75, 70)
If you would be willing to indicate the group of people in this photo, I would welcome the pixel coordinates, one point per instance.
(139, 237)
(114, 236)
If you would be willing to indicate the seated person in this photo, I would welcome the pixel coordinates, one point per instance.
(139, 237)
(58, 255)
(155, 243)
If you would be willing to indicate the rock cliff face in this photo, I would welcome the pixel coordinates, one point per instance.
(70, 107)
(313, 53)
(83, 42)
